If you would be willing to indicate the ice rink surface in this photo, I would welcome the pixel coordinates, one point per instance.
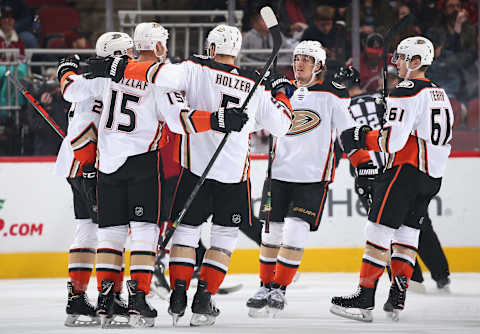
(38, 306)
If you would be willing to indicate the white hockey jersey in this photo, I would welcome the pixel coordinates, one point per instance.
(306, 154)
(209, 85)
(133, 116)
(418, 128)
(83, 119)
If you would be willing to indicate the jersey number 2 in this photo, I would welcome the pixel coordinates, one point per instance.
(124, 110)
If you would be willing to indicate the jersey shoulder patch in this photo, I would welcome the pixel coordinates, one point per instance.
(338, 85)
(408, 88)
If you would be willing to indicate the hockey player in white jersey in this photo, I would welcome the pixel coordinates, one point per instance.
(75, 161)
(129, 164)
(209, 83)
(300, 177)
(416, 139)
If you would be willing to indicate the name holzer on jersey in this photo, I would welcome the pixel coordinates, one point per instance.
(233, 82)
(134, 83)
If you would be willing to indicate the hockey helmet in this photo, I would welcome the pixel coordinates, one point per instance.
(111, 42)
(147, 35)
(227, 40)
(415, 46)
(313, 49)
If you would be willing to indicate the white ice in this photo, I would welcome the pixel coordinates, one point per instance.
(38, 306)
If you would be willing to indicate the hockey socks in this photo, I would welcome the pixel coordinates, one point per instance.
(109, 266)
(288, 261)
(268, 261)
(80, 265)
(371, 271)
(402, 265)
(141, 269)
(182, 264)
(214, 268)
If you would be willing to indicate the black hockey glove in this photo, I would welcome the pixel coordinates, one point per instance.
(228, 119)
(364, 183)
(68, 64)
(354, 138)
(278, 83)
(348, 76)
(109, 67)
(89, 187)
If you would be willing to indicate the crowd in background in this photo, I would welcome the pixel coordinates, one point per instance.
(449, 24)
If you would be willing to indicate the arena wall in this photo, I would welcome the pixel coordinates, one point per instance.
(36, 220)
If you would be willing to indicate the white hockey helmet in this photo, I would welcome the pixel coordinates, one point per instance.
(147, 35)
(111, 42)
(415, 46)
(313, 49)
(227, 40)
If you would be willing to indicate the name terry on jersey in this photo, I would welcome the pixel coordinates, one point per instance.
(235, 83)
(134, 83)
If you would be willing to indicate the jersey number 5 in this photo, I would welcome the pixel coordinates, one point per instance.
(124, 110)
(440, 130)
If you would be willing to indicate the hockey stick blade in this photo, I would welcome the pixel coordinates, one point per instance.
(229, 289)
(36, 105)
(277, 43)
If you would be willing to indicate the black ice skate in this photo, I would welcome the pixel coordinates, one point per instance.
(105, 303)
(203, 307)
(276, 300)
(357, 306)
(178, 301)
(160, 284)
(396, 297)
(141, 313)
(79, 306)
(443, 285)
(257, 305)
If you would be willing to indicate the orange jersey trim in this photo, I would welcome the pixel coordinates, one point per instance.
(359, 157)
(408, 154)
(371, 140)
(138, 71)
(65, 81)
(200, 120)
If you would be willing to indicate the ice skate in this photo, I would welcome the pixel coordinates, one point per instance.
(276, 301)
(105, 303)
(141, 313)
(178, 301)
(396, 297)
(79, 306)
(443, 285)
(357, 306)
(203, 307)
(160, 284)
(257, 305)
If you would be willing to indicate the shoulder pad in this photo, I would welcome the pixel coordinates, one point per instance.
(405, 84)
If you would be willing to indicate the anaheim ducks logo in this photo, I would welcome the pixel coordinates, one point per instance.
(304, 120)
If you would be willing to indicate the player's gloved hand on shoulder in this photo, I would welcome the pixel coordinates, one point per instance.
(364, 183)
(228, 119)
(278, 83)
(354, 138)
(89, 186)
(349, 75)
(108, 67)
(68, 64)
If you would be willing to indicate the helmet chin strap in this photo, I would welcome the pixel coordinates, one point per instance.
(410, 70)
(314, 74)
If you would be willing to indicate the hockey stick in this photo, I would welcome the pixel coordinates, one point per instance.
(272, 24)
(36, 105)
(268, 200)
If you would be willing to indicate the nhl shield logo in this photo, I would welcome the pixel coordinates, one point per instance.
(139, 211)
(236, 218)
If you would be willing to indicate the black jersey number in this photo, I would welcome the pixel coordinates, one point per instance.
(396, 114)
(124, 110)
(226, 99)
(440, 130)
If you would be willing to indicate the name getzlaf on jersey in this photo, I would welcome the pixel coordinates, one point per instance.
(306, 154)
(418, 127)
(209, 85)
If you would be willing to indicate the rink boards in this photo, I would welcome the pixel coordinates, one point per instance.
(36, 221)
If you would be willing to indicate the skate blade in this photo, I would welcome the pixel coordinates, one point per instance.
(259, 313)
(275, 312)
(352, 313)
(393, 315)
(202, 320)
(139, 321)
(74, 321)
(175, 318)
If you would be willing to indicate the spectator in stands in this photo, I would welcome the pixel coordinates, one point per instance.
(9, 38)
(324, 30)
(75, 39)
(445, 70)
(24, 21)
(295, 16)
(460, 35)
(260, 38)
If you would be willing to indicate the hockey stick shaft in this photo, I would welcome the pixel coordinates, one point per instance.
(36, 105)
(272, 24)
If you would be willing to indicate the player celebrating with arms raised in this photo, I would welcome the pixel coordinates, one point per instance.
(416, 139)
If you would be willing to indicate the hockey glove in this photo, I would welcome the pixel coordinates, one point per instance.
(354, 138)
(348, 76)
(68, 64)
(278, 83)
(109, 67)
(89, 187)
(364, 183)
(228, 119)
